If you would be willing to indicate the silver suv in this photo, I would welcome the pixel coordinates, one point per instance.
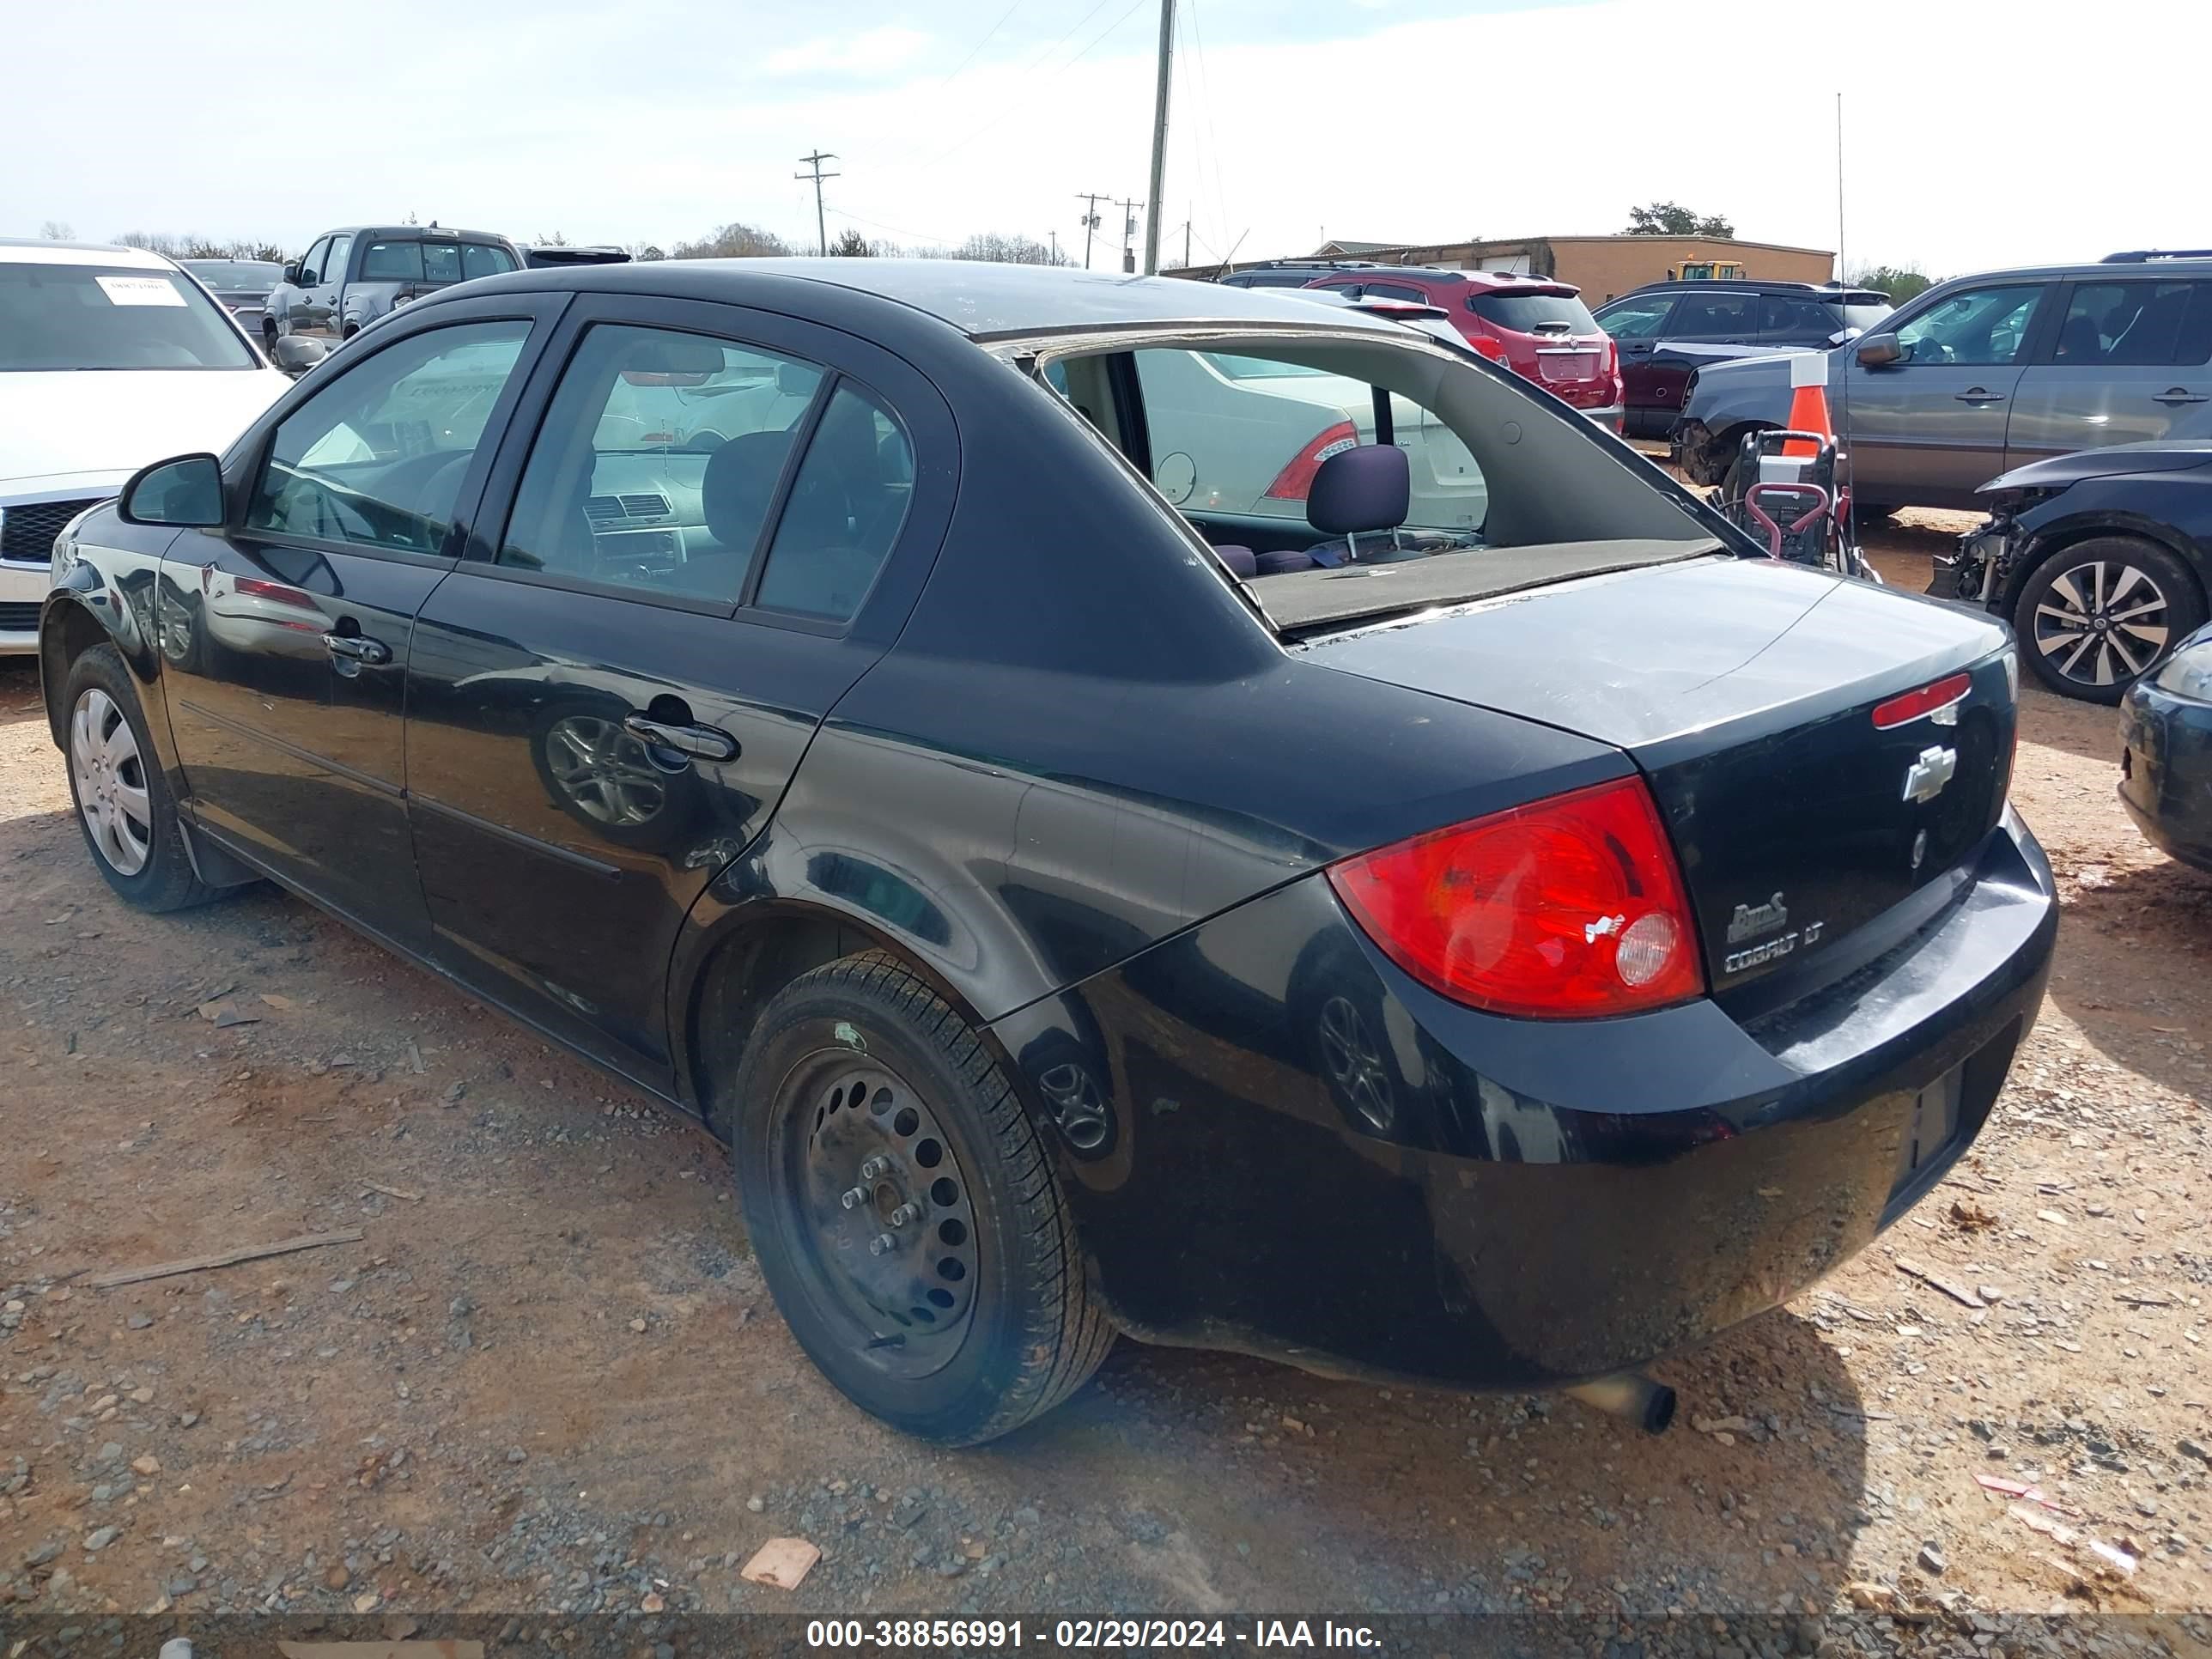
(1982, 374)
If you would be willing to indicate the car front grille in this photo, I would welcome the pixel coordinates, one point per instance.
(27, 530)
(18, 618)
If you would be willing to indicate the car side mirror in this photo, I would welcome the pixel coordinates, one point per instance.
(295, 355)
(1877, 351)
(293, 275)
(186, 493)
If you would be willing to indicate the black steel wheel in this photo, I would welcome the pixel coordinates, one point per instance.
(2094, 616)
(902, 1209)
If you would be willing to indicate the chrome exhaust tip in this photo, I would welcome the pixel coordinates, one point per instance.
(1630, 1394)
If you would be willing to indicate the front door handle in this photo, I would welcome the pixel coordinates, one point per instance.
(2180, 394)
(357, 648)
(1980, 394)
(708, 742)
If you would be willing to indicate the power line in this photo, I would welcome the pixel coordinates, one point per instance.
(815, 161)
(1033, 85)
(1205, 103)
(988, 37)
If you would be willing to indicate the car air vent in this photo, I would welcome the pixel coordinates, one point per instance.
(613, 509)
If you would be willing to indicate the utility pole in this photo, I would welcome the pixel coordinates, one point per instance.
(1053, 236)
(815, 161)
(1160, 137)
(1129, 231)
(1091, 221)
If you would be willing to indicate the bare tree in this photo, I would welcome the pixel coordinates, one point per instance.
(996, 247)
(58, 230)
(556, 239)
(733, 241)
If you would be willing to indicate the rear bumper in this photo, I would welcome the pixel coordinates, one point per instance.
(1610, 415)
(2166, 771)
(1275, 1141)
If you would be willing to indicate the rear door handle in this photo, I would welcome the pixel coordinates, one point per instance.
(2180, 394)
(708, 742)
(357, 648)
(1980, 394)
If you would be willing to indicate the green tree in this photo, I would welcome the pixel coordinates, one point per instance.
(1672, 219)
(851, 244)
(1900, 283)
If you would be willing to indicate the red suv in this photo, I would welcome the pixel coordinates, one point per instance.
(1538, 328)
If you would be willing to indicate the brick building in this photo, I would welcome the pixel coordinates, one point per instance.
(1602, 266)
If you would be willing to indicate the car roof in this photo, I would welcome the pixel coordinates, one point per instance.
(26, 250)
(416, 233)
(1757, 285)
(983, 301)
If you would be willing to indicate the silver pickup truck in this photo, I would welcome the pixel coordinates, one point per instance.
(349, 279)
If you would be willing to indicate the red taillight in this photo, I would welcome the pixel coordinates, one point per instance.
(1567, 908)
(1292, 482)
(1916, 705)
(1484, 346)
(1613, 369)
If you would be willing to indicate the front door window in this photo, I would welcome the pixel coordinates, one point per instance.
(1982, 326)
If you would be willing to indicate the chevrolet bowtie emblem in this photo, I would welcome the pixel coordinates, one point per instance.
(1925, 778)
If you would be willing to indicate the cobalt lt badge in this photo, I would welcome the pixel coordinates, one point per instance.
(1925, 778)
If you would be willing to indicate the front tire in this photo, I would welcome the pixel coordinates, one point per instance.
(2094, 616)
(904, 1210)
(123, 802)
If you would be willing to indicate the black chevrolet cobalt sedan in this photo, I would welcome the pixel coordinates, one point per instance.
(1131, 806)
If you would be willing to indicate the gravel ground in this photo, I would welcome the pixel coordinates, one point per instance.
(547, 1379)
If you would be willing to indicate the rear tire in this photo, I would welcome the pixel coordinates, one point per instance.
(124, 807)
(949, 1296)
(2145, 597)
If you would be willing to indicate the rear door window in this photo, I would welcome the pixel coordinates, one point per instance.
(1788, 318)
(391, 261)
(2135, 325)
(844, 512)
(658, 464)
(1717, 317)
(1395, 291)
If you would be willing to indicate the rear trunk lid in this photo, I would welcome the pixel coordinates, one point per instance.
(1746, 692)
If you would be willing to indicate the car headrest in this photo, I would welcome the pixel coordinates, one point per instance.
(739, 483)
(1357, 490)
(1240, 560)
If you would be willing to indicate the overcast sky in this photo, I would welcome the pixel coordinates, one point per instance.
(1978, 132)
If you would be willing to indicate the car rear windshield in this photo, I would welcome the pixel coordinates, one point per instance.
(398, 261)
(1535, 314)
(102, 317)
(256, 274)
(1243, 435)
(1862, 316)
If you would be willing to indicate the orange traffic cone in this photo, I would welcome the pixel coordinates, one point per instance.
(1808, 402)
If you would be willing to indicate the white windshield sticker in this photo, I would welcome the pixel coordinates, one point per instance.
(139, 291)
